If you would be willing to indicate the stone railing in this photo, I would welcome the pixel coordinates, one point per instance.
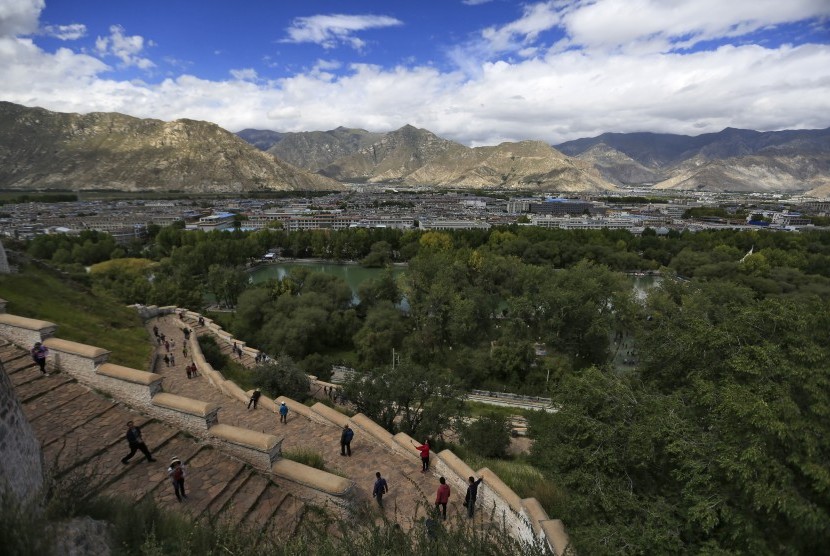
(143, 391)
(524, 517)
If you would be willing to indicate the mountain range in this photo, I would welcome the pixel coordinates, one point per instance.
(40, 149)
(795, 161)
(730, 160)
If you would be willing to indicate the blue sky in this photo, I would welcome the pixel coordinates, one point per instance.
(476, 71)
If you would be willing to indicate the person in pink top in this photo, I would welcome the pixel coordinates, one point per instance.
(442, 496)
(424, 449)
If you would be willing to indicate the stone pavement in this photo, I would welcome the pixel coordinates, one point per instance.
(82, 437)
(411, 493)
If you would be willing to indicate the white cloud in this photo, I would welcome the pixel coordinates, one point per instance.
(332, 30)
(124, 47)
(246, 74)
(551, 94)
(658, 25)
(71, 32)
(19, 17)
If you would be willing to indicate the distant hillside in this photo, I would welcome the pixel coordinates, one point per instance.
(314, 150)
(262, 139)
(730, 160)
(418, 157)
(47, 150)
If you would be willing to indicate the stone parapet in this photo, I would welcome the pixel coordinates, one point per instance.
(259, 449)
(556, 536)
(331, 415)
(79, 360)
(23, 331)
(234, 391)
(132, 386)
(378, 433)
(301, 409)
(405, 445)
(496, 496)
(317, 479)
(536, 513)
(454, 470)
(194, 416)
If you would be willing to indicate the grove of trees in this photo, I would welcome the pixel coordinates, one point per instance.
(715, 441)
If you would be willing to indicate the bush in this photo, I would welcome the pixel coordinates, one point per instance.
(488, 436)
(317, 365)
(282, 377)
(213, 354)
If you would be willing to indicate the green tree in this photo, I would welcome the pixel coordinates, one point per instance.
(282, 377)
(488, 436)
(410, 398)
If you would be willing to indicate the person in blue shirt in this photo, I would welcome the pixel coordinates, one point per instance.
(380, 489)
(283, 413)
(346, 441)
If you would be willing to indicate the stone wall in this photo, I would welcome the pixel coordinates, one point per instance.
(21, 461)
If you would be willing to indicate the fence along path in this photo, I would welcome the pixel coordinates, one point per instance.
(82, 437)
(411, 492)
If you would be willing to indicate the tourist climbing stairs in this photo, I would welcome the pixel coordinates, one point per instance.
(82, 434)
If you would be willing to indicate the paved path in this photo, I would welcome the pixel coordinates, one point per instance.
(410, 491)
(82, 437)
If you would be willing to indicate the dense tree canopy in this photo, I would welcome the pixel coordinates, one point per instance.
(720, 441)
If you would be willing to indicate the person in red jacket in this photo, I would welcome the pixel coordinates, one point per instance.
(424, 449)
(442, 496)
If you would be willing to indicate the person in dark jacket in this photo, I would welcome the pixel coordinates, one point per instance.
(136, 443)
(470, 497)
(380, 488)
(254, 398)
(39, 353)
(346, 441)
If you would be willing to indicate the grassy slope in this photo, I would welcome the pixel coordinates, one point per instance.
(80, 315)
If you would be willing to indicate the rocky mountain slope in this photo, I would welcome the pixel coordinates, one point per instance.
(314, 150)
(730, 160)
(417, 157)
(40, 149)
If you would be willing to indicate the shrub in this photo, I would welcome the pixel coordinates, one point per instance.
(213, 354)
(282, 377)
(488, 436)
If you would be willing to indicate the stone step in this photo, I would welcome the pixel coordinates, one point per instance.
(22, 371)
(76, 447)
(222, 497)
(60, 392)
(10, 351)
(265, 508)
(140, 478)
(208, 472)
(75, 413)
(287, 517)
(14, 359)
(37, 388)
(245, 498)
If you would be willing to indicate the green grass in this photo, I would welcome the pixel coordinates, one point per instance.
(478, 409)
(307, 457)
(81, 316)
(526, 480)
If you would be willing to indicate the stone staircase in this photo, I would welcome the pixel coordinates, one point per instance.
(411, 493)
(82, 438)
